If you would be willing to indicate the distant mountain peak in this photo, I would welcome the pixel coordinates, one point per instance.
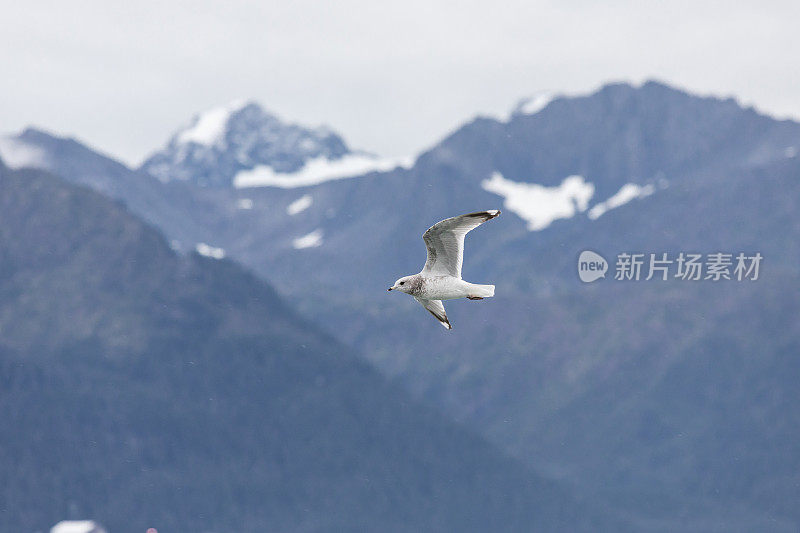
(23, 151)
(38, 148)
(219, 143)
(537, 101)
(209, 128)
(530, 105)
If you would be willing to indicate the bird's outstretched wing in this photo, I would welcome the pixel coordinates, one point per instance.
(436, 308)
(445, 242)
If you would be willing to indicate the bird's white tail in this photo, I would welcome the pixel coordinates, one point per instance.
(481, 291)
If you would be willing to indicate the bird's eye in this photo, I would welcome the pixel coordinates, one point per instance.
(402, 283)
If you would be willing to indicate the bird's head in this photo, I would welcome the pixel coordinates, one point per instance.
(402, 284)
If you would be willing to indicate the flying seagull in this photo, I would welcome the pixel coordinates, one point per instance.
(440, 279)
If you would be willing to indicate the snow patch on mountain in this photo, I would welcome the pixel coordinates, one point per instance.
(538, 205)
(241, 136)
(209, 251)
(77, 526)
(318, 170)
(299, 205)
(532, 104)
(18, 154)
(209, 128)
(626, 193)
(310, 240)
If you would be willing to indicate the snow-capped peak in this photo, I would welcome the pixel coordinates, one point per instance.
(241, 136)
(16, 153)
(532, 104)
(209, 128)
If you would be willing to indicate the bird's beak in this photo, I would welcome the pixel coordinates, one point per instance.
(390, 288)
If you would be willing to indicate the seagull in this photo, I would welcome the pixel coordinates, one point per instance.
(440, 278)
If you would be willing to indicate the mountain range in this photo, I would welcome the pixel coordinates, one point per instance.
(146, 388)
(672, 403)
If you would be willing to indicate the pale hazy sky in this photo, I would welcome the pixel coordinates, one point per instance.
(392, 77)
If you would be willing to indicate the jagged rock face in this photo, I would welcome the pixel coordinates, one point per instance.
(219, 143)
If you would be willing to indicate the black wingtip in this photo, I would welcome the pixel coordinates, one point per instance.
(485, 215)
(442, 320)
